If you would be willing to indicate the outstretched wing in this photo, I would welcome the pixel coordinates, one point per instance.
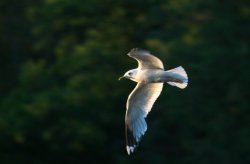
(145, 59)
(139, 104)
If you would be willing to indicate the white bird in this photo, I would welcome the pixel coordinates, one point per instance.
(150, 76)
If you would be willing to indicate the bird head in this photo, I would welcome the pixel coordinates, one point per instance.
(129, 75)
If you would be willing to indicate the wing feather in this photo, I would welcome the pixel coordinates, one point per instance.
(139, 104)
(145, 59)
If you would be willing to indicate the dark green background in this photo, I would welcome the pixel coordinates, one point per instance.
(61, 102)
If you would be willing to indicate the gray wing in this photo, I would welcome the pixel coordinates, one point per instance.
(145, 59)
(139, 104)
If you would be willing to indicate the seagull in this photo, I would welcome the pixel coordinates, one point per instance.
(150, 76)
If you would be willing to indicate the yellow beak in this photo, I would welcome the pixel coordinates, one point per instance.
(121, 77)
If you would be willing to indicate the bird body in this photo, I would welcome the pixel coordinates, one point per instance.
(153, 76)
(150, 76)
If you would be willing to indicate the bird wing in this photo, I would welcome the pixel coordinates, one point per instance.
(139, 104)
(145, 59)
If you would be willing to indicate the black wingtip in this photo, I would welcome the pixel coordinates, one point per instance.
(138, 50)
(131, 143)
(134, 49)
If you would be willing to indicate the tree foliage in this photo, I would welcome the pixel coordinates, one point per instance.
(60, 100)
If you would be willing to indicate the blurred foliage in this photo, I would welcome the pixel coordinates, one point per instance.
(60, 101)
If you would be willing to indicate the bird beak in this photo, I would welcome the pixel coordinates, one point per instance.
(121, 77)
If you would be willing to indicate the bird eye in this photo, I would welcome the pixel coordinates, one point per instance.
(130, 73)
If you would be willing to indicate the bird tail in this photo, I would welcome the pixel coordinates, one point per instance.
(178, 77)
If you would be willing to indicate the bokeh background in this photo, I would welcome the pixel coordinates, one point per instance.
(61, 102)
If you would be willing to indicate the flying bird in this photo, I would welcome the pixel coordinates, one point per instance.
(150, 76)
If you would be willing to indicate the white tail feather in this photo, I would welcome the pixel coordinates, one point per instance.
(182, 76)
